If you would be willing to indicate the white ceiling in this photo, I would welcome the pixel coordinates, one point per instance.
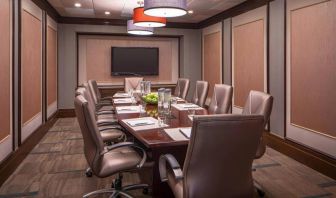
(123, 9)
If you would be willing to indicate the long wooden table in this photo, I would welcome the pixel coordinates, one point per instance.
(157, 142)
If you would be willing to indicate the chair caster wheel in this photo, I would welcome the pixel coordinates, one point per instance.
(88, 172)
(145, 191)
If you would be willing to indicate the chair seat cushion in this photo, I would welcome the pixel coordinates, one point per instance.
(106, 108)
(112, 135)
(107, 117)
(120, 159)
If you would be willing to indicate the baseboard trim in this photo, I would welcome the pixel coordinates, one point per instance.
(66, 113)
(309, 157)
(9, 165)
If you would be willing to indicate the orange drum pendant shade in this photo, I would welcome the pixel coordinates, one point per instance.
(140, 19)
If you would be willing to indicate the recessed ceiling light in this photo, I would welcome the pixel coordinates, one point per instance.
(107, 13)
(190, 12)
(78, 5)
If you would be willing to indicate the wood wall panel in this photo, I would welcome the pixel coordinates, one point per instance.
(313, 67)
(95, 59)
(249, 56)
(31, 66)
(212, 60)
(51, 65)
(5, 64)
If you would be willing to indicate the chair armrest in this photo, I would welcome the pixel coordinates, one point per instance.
(105, 122)
(108, 127)
(178, 174)
(129, 144)
(104, 112)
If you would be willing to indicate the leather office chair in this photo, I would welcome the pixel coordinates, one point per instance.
(101, 103)
(259, 103)
(104, 116)
(201, 93)
(182, 88)
(132, 83)
(221, 99)
(209, 173)
(107, 161)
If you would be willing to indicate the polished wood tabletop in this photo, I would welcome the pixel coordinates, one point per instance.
(157, 137)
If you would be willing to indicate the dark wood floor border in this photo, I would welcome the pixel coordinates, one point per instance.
(9, 165)
(315, 160)
(66, 113)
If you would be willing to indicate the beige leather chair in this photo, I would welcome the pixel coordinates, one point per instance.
(259, 103)
(132, 83)
(209, 173)
(104, 104)
(201, 93)
(221, 99)
(107, 161)
(182, 88)
(104, 117)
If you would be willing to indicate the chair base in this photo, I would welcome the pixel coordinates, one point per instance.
(115, 193)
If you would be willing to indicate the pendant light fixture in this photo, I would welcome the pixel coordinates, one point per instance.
(165, 8)
(137, 30)
(143, 20)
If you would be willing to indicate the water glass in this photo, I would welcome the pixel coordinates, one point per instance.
(191, 112)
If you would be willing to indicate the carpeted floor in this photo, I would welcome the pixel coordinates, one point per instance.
(56, 168)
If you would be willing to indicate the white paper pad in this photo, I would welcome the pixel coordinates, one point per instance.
(186, 132)
(185, 107)
(121, 95)
(128, 109)
(140, 122)
(123, 101)
(176, 134)
(145, 123)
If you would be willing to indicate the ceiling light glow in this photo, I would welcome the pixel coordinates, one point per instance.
(165, 8)
(140, 19)
(78, 5)
(133, 29)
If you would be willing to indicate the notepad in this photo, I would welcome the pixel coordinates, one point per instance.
(140, 122)
(176, 134)
(128, 109)
(122, 101)
(121, 95)
(186, 132)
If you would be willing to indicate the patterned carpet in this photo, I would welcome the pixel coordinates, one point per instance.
(56, 168)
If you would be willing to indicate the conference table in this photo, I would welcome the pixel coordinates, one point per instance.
(156, 140)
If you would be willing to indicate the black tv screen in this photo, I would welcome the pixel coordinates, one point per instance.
(135, 61)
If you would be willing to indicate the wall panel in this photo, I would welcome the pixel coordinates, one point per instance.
(5, 79)
(95, 57)
(31, 68)
(51, 67)
(249, 65)
(311, 75)
(212, 56)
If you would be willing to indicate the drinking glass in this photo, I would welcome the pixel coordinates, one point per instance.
(167, 102)
(191, 112)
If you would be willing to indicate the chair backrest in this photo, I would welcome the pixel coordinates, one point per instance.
(93, 143)
(228, 173)
(201, 93)
(259, 103)
(221, 99)
(132, 83)
(79, 91)
(182, 88)
(93, 88)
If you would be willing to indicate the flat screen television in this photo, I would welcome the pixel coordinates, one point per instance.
(135, 61)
